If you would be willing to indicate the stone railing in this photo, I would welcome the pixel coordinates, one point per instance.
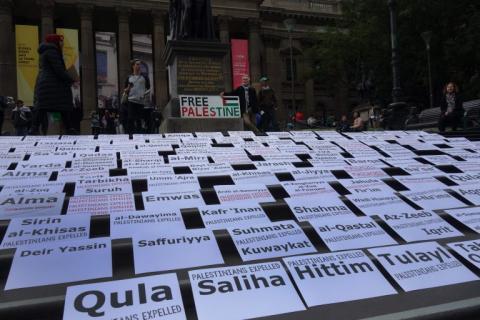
(317, 6)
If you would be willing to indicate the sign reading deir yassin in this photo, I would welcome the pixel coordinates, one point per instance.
(209, 107)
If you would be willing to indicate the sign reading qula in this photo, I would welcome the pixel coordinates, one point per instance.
(151, 297)
(209, 107)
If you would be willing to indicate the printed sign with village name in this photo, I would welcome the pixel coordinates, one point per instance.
(422, 265)
(243, 292)
(470, 250)
(319, 207)
(337, 272)
(154, 297)
(209, 107)
(221, 216)
(468, 216)
(262, 241)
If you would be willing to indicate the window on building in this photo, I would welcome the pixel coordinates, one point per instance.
(289, 69)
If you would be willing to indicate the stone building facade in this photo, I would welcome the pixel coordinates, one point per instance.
(258, 21)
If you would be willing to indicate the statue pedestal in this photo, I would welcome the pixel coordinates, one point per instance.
(195, 68)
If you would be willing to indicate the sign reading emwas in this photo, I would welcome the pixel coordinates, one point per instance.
(209, 107)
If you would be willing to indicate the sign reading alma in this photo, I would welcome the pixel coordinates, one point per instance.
(209, 107)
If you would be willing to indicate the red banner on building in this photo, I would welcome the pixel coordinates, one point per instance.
(240, 61)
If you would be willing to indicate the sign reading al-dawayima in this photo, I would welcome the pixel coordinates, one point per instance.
(209, 107)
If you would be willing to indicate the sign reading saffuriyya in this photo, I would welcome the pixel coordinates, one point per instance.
(209, 107)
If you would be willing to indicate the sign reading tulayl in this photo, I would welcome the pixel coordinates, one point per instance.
(209, 107)
(337, 272)
(422, 265)
(199, 74)
(243, 292)
(271, 240)
(154, 297)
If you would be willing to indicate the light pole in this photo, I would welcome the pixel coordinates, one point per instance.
(290, 25)
(427, 37)
(397, 89)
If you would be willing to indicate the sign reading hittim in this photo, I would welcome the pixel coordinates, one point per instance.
(209, 107)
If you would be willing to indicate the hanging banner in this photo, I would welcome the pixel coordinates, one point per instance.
(71, 55)
(26, 39)
(107, 70)
(240, 61)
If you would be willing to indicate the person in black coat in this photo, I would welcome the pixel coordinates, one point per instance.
(248, 101)
(451, 106)
(53, 91)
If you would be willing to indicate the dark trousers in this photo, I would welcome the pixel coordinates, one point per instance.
(2, 115)
(266, 122)
(40, 118)
(453, 120)
(134, 118)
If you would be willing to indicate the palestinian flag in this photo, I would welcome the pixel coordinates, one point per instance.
(230, 102)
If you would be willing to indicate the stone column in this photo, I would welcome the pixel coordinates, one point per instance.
(47, 9)
(274, 73)
(227, 61)
(8, 75)
(87, 64)
(255, 44)
(160, 71)
(124, 45)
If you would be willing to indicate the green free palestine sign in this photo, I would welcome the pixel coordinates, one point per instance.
(209, 107)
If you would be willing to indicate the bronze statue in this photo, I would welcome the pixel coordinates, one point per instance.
(191, 20)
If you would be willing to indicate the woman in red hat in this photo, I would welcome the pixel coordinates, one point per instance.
(53, 87)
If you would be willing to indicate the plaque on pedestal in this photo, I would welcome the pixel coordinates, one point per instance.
(195, 68)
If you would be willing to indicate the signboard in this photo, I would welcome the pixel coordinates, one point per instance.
(237, 214)
(240, 61)
(470, 250)
(179, 199)
(105, 185)
(29, 231)
(422, 265)
(254, 193)
(263, 241)
(154, 297)
(101, 204)
(351, 233)
(468, 216)
(309, 208)
(61, 262)
(372, 204)
(420, 225)
(209, 107)
(328, 278)
(26, 38)
(471, 192)
(433, 199)
(31, 205)
(170, 250)
(243, 292)
(309, 188)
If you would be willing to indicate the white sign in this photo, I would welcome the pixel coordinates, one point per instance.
(221, 216)
(308, 208)
(471, 192)
(254, 193)
(312, 174)
(106, 185)
(374, 205)
(178, 199)
(275, 166)
(420, 182)
(6, 176)
(465, 178)
(366, 186)
(170, 250)
(29, 231)
(209, 107)
(85, 160)
(68, 261)
(154, 297)
(177, 160)
(420, 225)
(33, 188)
(172, 182)
(210, 169)
(263, 241)
(101, 204)
(422, 265)
(468, 216)
(31, 205)
(242, 177)
(328, 278)
(243, 292)
(433, 199)
(470, 250)
(125, 225)
(351, 233)
(308, 188)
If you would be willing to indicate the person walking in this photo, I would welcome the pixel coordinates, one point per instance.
(248, 102)
(53, 86)
(22, 118)
(137, 87)
(451, 107)
(267, 103)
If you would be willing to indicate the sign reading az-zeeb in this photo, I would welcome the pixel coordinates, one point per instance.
(209, 107)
